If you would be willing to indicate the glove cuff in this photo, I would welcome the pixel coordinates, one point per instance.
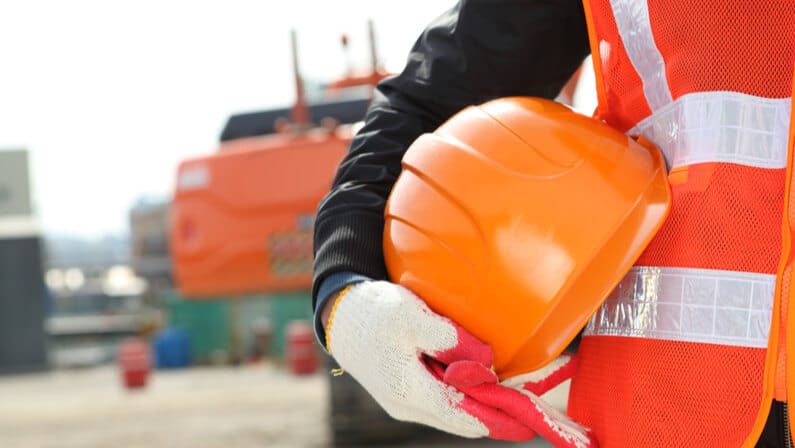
(334, 306)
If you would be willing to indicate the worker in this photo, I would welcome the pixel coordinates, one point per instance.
(710, 83)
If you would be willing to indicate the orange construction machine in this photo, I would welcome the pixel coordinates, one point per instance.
(242, 217)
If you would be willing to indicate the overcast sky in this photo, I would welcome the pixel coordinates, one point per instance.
(108, 96)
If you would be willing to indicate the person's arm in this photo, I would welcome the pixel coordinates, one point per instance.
(477, 51)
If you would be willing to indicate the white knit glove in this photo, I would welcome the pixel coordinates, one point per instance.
(422, 367)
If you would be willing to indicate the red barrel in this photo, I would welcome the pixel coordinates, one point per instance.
(135, 362)
(301, 350)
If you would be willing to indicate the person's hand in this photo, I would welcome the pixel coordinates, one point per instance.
(422, 367)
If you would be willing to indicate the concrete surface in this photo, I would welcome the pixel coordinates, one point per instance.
(227, 407)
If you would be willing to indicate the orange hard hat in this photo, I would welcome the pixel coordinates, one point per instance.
(517, 218)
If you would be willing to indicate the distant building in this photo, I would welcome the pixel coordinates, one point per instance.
(90, 255)
(23, 298)
(150, 257)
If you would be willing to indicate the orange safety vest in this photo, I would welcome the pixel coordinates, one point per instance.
(690, 349)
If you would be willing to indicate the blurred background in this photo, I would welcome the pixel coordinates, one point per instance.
(160, 163)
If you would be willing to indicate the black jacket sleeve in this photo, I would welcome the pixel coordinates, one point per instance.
(478, 51)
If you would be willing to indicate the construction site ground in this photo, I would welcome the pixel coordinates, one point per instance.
(260, 405)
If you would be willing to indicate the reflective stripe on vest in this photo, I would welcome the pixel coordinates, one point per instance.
(726, 127)
(632, 19)
(691, 305)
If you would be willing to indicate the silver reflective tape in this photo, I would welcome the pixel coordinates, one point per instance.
(727, 127)
(18, 226)
(632, 20)
(691, 305)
